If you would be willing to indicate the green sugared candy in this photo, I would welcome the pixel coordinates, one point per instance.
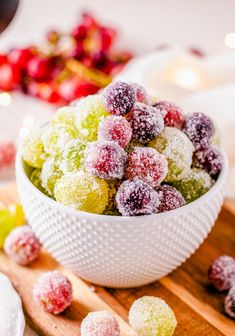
(55, 138)
(64, 116)
(194, 185)
(151, 316)
(50, 173)
(72, 156)
(178, 149)
(82, 191)
(90, 112)
(33, 149)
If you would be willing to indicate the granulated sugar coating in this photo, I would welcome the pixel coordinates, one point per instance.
(105, 159)
(178, 150)
(151, 316)
(200, 129)
(118, 98)
(209, 159)
(82, 191)
(141, 94)
(229, 303)
(100, 323)
(196, 183)
(146, 164)
(22, 245)
(115, 128)
(53, 292)
(72, 156)
(50, 173)
(119, 136)
(172, 114)
(55, 138)
(33, 149)
(90, 111)
(170, 198)
(146, 122)
(222, 273)
(136, 198)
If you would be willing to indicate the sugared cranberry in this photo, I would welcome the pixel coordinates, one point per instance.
(115, 128)
(48, 93)
(172, 114)
(170, 199)
(3, 59)
(89, 21)
(210, 159)
(105, 159)
(229, 303)
(9, 77)
(146, 164)
(140, 93)
(107, 36)
(80, 32)
(118, 98)
(146, 122)
(7, 153)
(136, 198)
(200, 129)
(222, 273)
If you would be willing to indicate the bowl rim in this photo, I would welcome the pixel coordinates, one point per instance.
(99, 217)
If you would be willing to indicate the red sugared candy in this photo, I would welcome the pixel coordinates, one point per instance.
(222, 272)
(105, 159)
(146, 122)
(170, 198)
(22, 245)
(200, 129)
(146, 164)
(135, 198)
(229, 303)
(141, 94)
(118, 98)
(53, 292)
(210, 159)
(172, 114)
(115, 128)
(100, 323)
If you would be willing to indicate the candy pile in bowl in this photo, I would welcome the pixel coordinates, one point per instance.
(118, 153)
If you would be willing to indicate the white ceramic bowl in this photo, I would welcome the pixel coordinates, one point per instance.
(119, 251)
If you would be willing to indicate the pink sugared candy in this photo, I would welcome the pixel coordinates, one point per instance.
(170, 198)
(229, 303)
(146, 122)
(115, 128)
(100, 323)
(141, 94)
(222, 272)
(22, 245)
(105, 159)
(53, 292)
(135, 198)
(118, 98)
(172, 114)
(147, 164)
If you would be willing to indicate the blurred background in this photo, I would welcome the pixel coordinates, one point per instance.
(179, 50)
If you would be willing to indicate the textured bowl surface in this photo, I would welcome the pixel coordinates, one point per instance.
(119, 251)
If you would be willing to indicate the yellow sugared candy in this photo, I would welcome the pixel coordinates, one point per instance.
(9, 219)
(64, 116)
(33, 149)
(178, 149)
(151, 316)
(90, 111)
(82, 191)
(196, 183)
(55, 137)
(50, 173)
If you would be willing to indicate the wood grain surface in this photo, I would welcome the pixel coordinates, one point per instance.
(198, 306)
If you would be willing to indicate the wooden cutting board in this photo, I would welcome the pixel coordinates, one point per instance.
(198, 307)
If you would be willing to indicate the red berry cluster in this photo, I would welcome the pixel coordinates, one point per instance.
(67, 67)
